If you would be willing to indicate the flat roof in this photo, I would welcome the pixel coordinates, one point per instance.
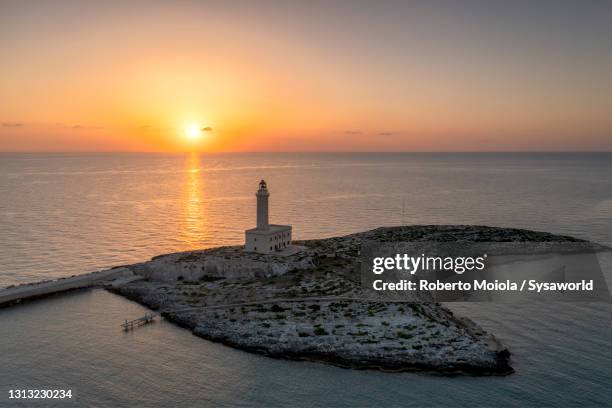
(274, 228)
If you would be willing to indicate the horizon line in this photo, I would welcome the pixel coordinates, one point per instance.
(309, 152)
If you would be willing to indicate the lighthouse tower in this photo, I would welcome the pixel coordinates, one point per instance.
(262, 206)
(266, 237)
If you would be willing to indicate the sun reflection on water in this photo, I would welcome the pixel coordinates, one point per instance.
(195, 215)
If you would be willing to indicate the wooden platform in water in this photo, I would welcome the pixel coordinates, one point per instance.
(141, 321)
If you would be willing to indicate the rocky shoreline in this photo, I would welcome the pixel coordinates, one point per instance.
(307, 305)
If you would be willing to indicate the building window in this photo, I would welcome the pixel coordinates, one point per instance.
(254, 248)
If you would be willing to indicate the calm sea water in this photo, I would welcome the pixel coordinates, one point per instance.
(63, 214)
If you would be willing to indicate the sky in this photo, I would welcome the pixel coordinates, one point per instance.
(305, 76)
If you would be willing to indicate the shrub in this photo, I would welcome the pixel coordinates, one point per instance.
(319, 331)
(208, 278)
(403, 335)
(277, 309)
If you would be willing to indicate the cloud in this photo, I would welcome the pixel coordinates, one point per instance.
(385, 134)
(12, 124)
(206, 129)
(352, 132)
(86, 127)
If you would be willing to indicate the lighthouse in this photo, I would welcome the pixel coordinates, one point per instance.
(266, 238)
(262, 206)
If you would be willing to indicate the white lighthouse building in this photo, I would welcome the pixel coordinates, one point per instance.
(266, 238)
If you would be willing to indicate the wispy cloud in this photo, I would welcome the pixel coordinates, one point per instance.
(12, 124)
(85, 127)
(385, 133)
(207, 129)
(353, 132)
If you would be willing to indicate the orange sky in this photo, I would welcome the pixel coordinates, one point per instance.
(133, 76)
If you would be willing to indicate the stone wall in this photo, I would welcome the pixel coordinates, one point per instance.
(188, 268)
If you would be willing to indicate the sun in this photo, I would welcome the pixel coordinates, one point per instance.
(193, 132)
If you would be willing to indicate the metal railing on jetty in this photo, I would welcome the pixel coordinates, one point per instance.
(141, 321)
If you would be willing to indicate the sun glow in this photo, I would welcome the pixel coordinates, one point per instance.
(193, 132)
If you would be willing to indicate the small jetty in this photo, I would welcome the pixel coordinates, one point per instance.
(17, 294)
(141, 321)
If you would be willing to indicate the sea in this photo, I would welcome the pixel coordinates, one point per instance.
(71, 213)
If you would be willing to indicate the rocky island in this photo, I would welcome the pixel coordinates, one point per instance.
(306, 304)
